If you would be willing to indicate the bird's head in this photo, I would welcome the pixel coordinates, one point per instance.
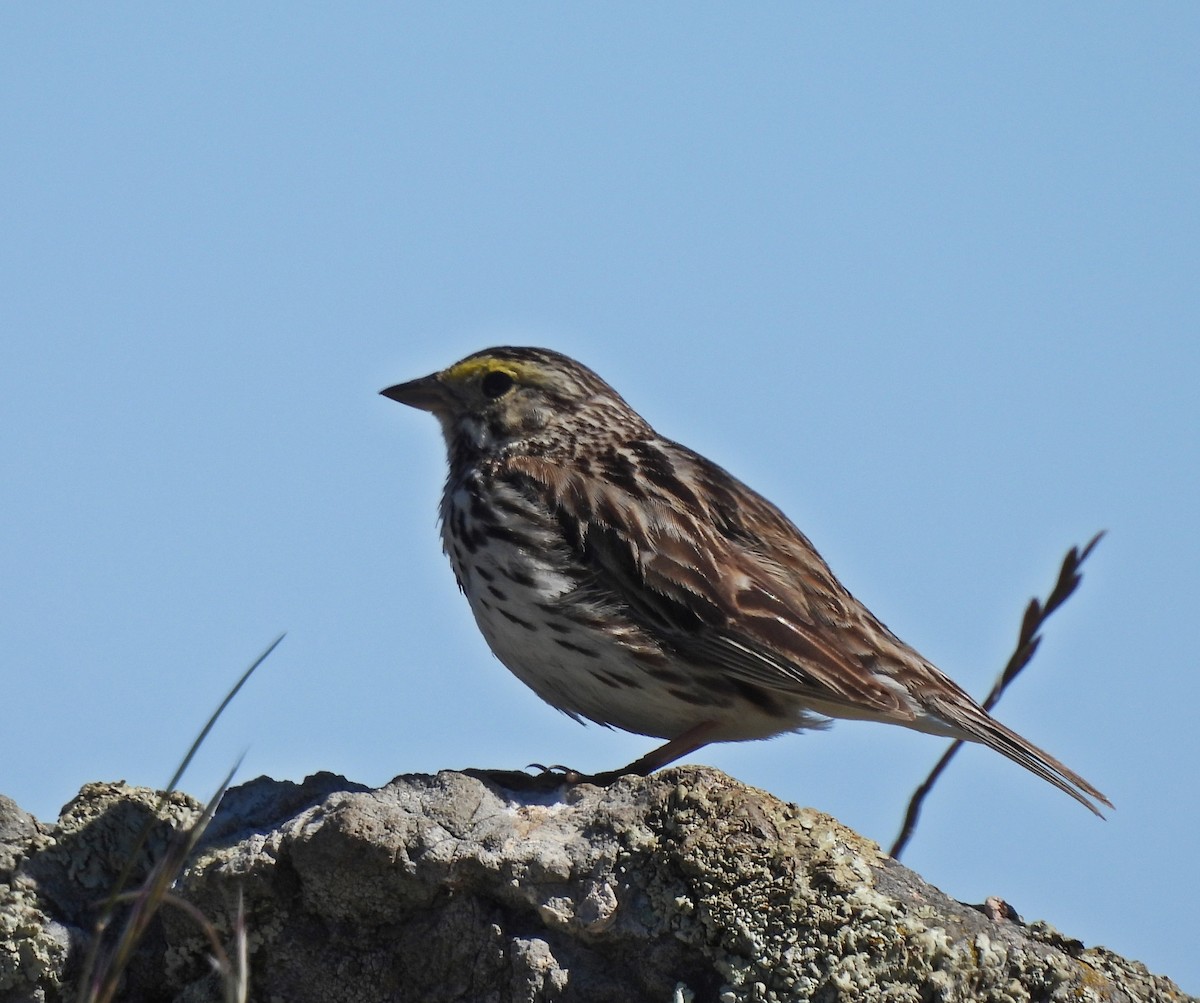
(505, 395)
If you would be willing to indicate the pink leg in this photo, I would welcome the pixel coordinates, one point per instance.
(680, 746)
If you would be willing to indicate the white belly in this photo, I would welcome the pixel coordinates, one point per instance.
(617, 676)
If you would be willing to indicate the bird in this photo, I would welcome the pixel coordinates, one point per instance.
(629, 581)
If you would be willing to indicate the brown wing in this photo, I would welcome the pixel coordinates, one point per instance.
(718, 573)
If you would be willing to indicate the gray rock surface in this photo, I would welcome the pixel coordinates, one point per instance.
(684, 886)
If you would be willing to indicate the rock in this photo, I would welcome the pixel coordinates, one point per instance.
(684, 886)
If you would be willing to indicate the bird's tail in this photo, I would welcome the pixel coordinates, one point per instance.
(976, 725)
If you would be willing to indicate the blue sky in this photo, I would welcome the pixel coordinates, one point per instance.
(926, 276)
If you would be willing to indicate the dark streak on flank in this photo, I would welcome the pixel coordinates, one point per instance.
(687, 696)
(665, 675)
(519, 577)
(625, 681)
(514, 619)
(759, 697)
(576, 648)
(511, 536)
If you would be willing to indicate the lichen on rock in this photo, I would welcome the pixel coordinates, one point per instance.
(497, 887)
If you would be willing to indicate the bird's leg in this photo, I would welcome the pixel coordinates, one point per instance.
(680, 746)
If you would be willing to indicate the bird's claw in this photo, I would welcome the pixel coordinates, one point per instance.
(563, 773)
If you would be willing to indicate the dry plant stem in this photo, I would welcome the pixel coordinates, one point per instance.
(234, 974)
(146, 902)
(1035, 617)
(100, 981)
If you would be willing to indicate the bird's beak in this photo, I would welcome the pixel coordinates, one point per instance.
(428, 394)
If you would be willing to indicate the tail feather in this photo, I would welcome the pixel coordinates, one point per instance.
(976, 725)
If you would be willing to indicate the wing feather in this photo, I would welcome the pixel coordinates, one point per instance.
(700, 581)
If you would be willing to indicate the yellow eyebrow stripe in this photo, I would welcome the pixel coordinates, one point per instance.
(468, 368)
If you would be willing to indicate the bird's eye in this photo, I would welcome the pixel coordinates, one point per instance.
(496, 384)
